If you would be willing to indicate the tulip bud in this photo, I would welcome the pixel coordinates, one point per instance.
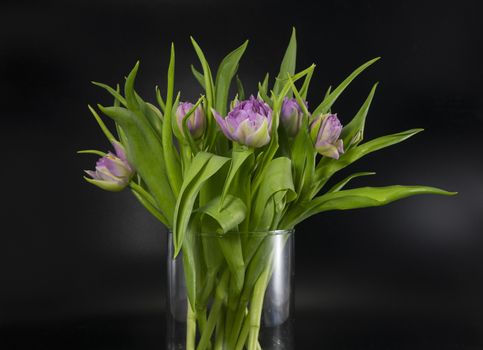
(325, 131)
(113, 171)
(248, 123)
(291, 116)
(196, 121)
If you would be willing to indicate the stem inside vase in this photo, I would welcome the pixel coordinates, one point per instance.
(228, 315)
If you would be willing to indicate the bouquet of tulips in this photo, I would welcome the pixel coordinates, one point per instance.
(236, 164)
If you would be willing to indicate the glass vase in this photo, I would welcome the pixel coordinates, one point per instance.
(231, 291)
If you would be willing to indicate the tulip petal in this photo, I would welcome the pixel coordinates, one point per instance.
(244, 121)
(340, 146)
(222, 124)
(102, 173)
(105, 185)
(260, 137)
(116, 167)
(119, 149)
(328, 150)
(92, 174)
(243, 130)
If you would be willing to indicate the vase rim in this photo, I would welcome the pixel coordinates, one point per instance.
(280, 232)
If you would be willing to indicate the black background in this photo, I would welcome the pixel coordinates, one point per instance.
(84, 269)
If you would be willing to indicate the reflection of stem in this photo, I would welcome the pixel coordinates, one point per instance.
(190, 328)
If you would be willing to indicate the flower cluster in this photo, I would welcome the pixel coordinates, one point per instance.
(236, 165)
(250, 122)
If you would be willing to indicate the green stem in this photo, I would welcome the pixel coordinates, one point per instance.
(256, 305)
(201, 317)
(190, 328)
(220, 334)
(232, 304)
(242, 339)
(248, 203)
(220, 297)
(237, 323)
(185, 157)
(243, 335)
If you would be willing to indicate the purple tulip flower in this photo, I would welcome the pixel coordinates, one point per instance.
(291, 116)
(325, 131)
(113, 171)
(248, 123)
(196, 122)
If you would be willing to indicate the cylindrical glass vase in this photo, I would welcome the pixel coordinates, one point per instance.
(231, 291)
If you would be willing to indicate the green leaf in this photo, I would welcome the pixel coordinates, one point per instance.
(152, 115)
(171, 156)
(131, 99)
(148, 202)
(140, 137)
(203, 166)
(228, 216)
(113, 92)
(192, 263)
(260, 253)
(356, 126)
(327, 166)
(341, 184)
(224, 76)
(92, 151)
(198, 76)
(288, 86)
(305, 86)
(120, 134)
(265, 82)
(298, 97)
(239, 156)
(303, 152)
(103, 126)
(241, 90)
(209, 93)
(303, 159)
(356, 198)
(159, 99)
(329, 100)
(263, 95)
(208, 78)
(278, 178)
(288, 64)
(273, 146)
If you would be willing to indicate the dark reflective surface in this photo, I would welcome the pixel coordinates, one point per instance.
(336, 329)
(84, 269)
